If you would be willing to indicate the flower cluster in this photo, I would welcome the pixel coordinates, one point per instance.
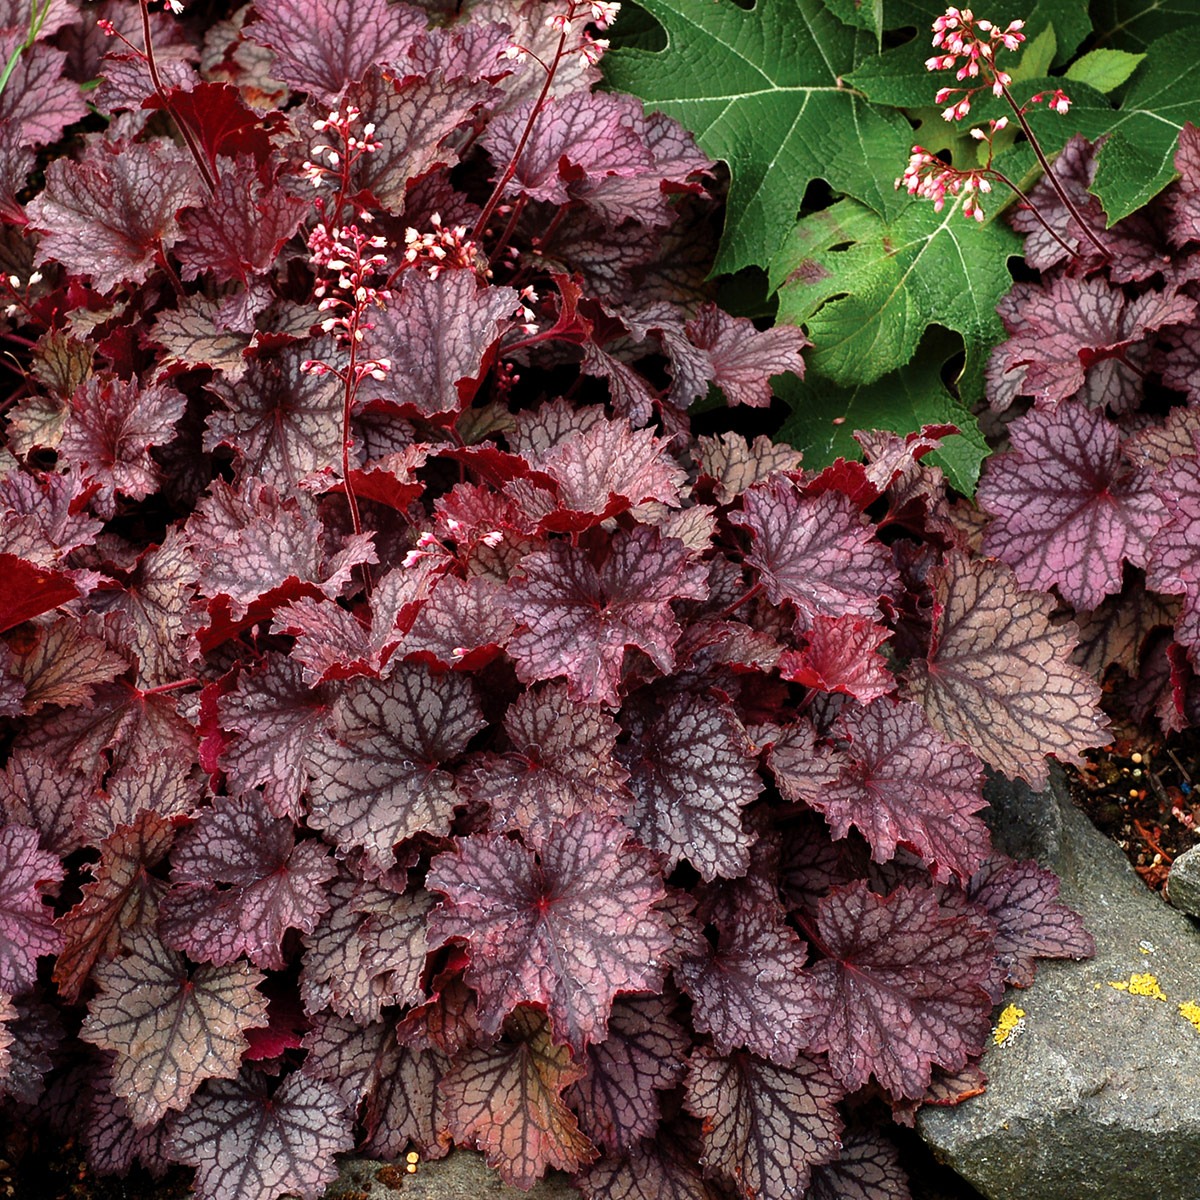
(969, 47)
(443, 247)
(600, 13)
(342, 157)
(930, 178)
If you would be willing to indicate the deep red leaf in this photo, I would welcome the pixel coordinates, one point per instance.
(27, 590)
(26, 923)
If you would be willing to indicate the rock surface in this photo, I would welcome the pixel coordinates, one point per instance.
(462, 1175)
(1183, 882)
(1098, 1094)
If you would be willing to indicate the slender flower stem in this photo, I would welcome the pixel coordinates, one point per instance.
(518, 209)
(1000, 177)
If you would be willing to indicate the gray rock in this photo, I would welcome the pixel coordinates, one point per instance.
(1098, 1095)
(462, 1175)
(1183, 882)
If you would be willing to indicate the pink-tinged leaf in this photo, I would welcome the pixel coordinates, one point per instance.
(667, 1168)
(1019, 898)
(507, 1100)
(16, 164)
(1061, 331)
(900, 989)
(278, 720)
(1154, 446)
(113, 1141)
(765, 1126)
(747, 992)
(414, 115)
(905, 785)
(469, 52)
(567, 929)
(818, 552)
(111, 213)
(1068, 511)
(868, 1169)
(283, 424)
(42, 794)
(842, 655)
(735, 465)
(999, 676)
(247, 1145)
(171, 1028)
(1174, 565)
(47, 511)
(617, 1098)
(26, 590)
(578, 138)
(33, 1032)
(164, 785)
(37, 99)
(241, 882)
(1184, 198)
(109, 432)
(153, 615)
(122, 897)
(463, 624)
(560, 762)
(691, 774)
(440, 371)
(1117, 631)
(60, 664)
(1180, 362)
(742, 358)
(802, 771)
(321, 47)
(366, 952)
(26, 923)
(240, 230)
(377, 775)
(449, 1020)
(576, 618)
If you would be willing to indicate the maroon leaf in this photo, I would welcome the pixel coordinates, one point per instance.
(36, 791)
(817, 552)
(868, 1169)
(109, 214)
(765, 1126)
(241, 883)
(999, 676)
(461, 625)
(440, 371)
(748, 992)
(561, 763)
(906, 785)
(1019, 898)
(576, 619)
(900, 988)
(580, 137)
(664, 1169)
(26, 923)
(377, 776)
(1067, 510)
(27, 590)
(734, 466)
(803, 772)
(568, 928)
(113, 1141)
(171, 1029)
(123, 896)
(691, 774)
(247, 1145)
(38, 100)
(32, 1033)
(1174, 565)
(841, 655)
(617, 1098)
(1116, 632)
(320, 47)
(507, 1099)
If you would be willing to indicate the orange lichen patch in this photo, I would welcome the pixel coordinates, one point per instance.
(1190, 1011)
(1139, 985)
(1011, 1023)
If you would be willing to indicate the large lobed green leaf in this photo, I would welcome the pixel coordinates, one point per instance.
(763, 89)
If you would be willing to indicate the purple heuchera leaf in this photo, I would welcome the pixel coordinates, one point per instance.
(1174, 565)
(747, 991)
(765, 1126)
(869, 1169)
(247, 1145)
(841, 654)
(817, 552)
(377, 774)
(905, 785)
(576, 618)
(568, 928)
(171, 1028)
(109, 214)
(667, 1168)
(901, 988)
(1067, 510)
(735, 465)
(321, 47)
(691, 774)
(38, 792)
(460, 618)
(113, 1141)
(644, 1053)
(26, 924)
(999, 677)
(37, 99)
(241, 882)
(34, 1033)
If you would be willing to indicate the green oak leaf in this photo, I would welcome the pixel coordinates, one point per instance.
(1134, 24)
(901, 402)
(762, 88)
(866, 288)
(1104, 69)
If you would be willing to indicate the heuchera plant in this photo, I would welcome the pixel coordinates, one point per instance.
(416, 732)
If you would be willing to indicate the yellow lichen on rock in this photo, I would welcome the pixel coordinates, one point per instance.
(1190, 1011)
(1010, 1023)
(1139, 985)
